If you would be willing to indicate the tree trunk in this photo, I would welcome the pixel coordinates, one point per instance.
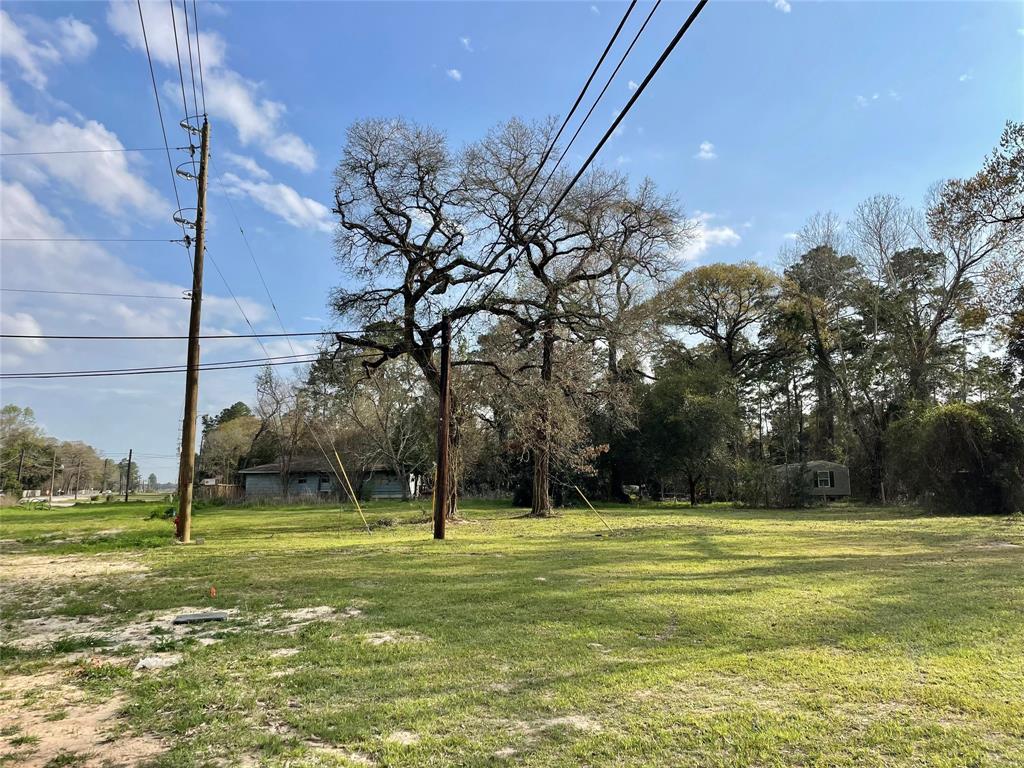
(541, 482)
(541, 453)
(692, 482)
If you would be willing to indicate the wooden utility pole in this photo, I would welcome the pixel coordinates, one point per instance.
(186, 470)
(78, 477)
(128, 476)
(443, 419)
(103, 482)
(53, 477)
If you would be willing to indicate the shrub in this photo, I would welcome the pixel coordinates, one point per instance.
(960, 458)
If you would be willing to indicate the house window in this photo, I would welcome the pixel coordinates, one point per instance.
(301, 481)
(824, 480)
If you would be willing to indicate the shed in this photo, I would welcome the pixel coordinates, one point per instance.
(824, 479)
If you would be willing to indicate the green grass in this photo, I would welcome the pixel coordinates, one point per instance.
(693, 637)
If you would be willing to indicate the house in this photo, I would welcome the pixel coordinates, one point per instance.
(315, 477)
(820, 479)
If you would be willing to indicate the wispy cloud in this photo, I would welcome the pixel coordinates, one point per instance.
(466, 43)
(633, 85)
(115, 185)
(706, 151)
(783, 5)
(257, 119)
(248, 165)
(454, 74)
(623, 159)
(594, 10)
(282, 201)
(65, 39)
(968, 75)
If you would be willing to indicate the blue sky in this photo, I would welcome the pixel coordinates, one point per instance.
(767, 112)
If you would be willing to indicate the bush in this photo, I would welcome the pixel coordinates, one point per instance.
(960, 458)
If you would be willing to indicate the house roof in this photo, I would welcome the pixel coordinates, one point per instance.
(305, 464)
(813, 464)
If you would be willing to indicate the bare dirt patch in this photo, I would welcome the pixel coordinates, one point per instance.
(48, 569)
(404, 738)
(92, 731)
(390, 638)
(30, 634)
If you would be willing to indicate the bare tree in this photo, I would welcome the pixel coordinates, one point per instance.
(599, 228)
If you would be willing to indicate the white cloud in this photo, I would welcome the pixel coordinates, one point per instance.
(466, 43)
(969, 75)
(783, 5)
(633, 85)
(1020, 31)
(66, 39)
(594, 10)
(791, 236)
(289, 148)
(14, 350)
(707, 236)
(861, 101)
(894, 95)
(112, 181)
(283, 201)
(623, 159)
(454, 74)
(247, 164)
(258, 120)
(706, 151)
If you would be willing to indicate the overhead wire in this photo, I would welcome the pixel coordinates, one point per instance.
(604, 139)
(94, 293)
(257, 362)
(177, 51)
(87, 240)
(199, 53)
(191, 68)
(173, 368)
(593, 106)
(471, 288)
(343, 476)
(85, 151)
(163, 128)
(168, 338)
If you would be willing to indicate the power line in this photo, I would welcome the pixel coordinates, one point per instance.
(199, 54)
(191, 69)
(471, 288)
(174, 368)
(93, 293)
(593, 106)
(149, 371)
(86, 240)
(171, 338)
(611, 130)
(163, 128)
(84, 151)
(177, 51)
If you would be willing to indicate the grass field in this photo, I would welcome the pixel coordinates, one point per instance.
(690, 637)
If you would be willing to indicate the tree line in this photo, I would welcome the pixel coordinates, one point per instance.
(28, 454)
(588, 356)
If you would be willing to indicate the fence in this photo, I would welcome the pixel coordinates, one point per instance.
(219, 491)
